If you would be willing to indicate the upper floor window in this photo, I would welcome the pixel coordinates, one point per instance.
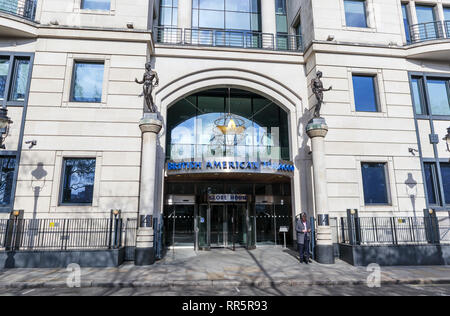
(96, 5)
(227, 14)
(168, 13)
(434, 98)
(406, 22)
(16, 78)
(375, 183)
(4, 68)
(355, 13)
(364, 89)
(87, 82)
(7, 167)
(425, 14)
(447, 14)
(78, 181)
(281, 16)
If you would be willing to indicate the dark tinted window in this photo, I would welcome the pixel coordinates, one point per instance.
(78, 185)
(7, 167)
(375, 183)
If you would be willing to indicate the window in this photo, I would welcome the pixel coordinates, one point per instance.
(87, 82)
(104, 5)
(447, 21)
(432, 183)
(168, 13)
(355, 13)
(78, 181)
(20, 79)
(439, 93)
(375, 183)
(445, 173)
(406, 23)
(418, 96)
(427, 28)
(7, 168)
(227, 14)
(365, 93)
(447, 14)
(4, 68)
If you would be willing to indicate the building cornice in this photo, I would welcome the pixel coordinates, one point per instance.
(431, 51)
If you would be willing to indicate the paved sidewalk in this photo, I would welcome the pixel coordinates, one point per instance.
(263, 267)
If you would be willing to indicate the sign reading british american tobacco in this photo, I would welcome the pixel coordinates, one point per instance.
(231, 166)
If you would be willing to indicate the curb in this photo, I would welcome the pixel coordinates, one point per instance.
(219, 283)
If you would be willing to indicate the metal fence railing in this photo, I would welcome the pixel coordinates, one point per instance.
(66, 234)
(427, 31)
(394, 230)
(227, 38)
(289, 43)
(168, 35)
(447, 28)
(22, 8)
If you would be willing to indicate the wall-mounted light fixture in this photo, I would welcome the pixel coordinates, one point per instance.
(5, 122)
(447, 139)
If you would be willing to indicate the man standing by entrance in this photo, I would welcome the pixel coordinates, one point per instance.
(303, 229)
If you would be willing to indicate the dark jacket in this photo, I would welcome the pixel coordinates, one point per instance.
(300, 234)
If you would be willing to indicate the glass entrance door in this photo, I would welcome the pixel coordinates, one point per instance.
(219, 226)
(224, 226)
(179, 225)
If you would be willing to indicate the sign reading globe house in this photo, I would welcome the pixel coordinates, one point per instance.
(228, 166)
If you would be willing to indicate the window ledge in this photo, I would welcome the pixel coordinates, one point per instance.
(369, 114)
(360, 29)
(96, 12)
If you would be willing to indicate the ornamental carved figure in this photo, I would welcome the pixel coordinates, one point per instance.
(318, 90)
(149, 81)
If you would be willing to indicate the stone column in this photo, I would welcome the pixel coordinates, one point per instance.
(150, 127)
(317, 129)
(185, 14)
(268, 21)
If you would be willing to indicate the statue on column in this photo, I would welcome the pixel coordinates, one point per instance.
(318, 90)
(149, 81)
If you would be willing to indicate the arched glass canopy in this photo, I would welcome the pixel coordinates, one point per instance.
(227, 123)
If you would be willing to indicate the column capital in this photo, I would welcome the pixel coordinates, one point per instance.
(317, 127)
(150, 123)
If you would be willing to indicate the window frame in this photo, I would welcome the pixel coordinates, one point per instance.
(387, 183)
(376, 91)
(11, 197)
(82, 8)
(366, 15)
(63, 177)
(72, 82)
(426, 95)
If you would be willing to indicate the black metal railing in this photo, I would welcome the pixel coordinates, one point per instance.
(394, 230)
(447, 28)
(22, 8)
(66, 234)
(427, 32)
(289, 42)
(227, 38)
(169, 35)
